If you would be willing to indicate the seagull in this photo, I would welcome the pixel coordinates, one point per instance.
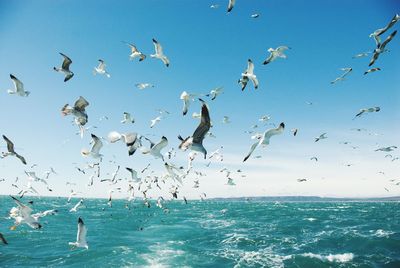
(101, 69)
(143, 85)
(155, 149)
(75, 208)
(314, 158)
(95, 150)
(346, 70)
(186, 98)
(381, 48)
(301, 180)
(159, 53)
(3, 240)
(255, 16)
(135, 52)
(78, 111)
(321, 137)
(226, 120)
(386, 149)
(230, 182)
(24, 215)
(372, 70)
(264, 139)
(276, 53)
(264, 118)
(134, 175)
(248, 74)
(376, 34)
(155, 121)
(294, 131)
(65, 68)
(128, 118)
(361, 55)
(11, 151)
(18, 87)
(214, 6)
(367, 110)
(195, 142)
(81, 236)
(230, 5)
(215, 92)
(132, 140)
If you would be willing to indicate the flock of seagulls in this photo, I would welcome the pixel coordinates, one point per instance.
(140, 181)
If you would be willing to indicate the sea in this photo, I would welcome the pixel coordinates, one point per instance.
(209, 233)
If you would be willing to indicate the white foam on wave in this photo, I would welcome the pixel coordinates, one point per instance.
(161, 256)
(310, 219)
(382, 233)
(345, 257)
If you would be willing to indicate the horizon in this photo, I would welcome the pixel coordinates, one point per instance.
(215, 54)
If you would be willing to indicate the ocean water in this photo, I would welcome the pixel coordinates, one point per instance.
(208, 234)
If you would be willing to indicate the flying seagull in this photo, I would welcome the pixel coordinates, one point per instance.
(101, 69)
(155, 149)
(248, 74)
(18, 87)
(11, 151)
(361, 55)
(154, 121)
(215, 92)
(321, 137)
(371, 70)
(231, 4)
(81, 236)
(377, 33)
(346, 70)
(134, 175)
(186, 98)
(78, 111)
(128, 118)
(24, 215)
(159, 53)
(195, 142)
(367, 110)
(143, 85)
(65, 68)
(386, 149)
(255, 16)
(95, 150)
(294, 131)
(135, 52)
(265, 137)
(132, 140)
(380, 49)
(75, 208)
(276, 53)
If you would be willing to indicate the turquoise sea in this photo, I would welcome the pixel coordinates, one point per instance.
(207, 234)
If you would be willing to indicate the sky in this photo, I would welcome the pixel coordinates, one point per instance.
(207, 48)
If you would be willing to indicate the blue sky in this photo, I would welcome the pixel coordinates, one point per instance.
(207, 48)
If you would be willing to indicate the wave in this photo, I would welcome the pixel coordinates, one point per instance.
(345, 257)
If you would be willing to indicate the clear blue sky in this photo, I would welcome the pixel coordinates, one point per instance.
(207, 48)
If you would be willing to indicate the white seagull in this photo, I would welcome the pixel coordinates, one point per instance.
(159, 53)
(94, 152)
(143, 85)
(11, 151)
(195, 142)
(381, 48)
(231, 4)
(186, 98)
(215, 92)
(276, 53)
(321, 137)
(346, 70)
(128, 118)
(75, 208)
(101, 69)
(264, 139)
(24, 215)
(367, 110)
(65, 68)
(372, 70)
(154, 121)
(81, 236)
(155, 149)
(132, 140)
(135, 52)
(248, 74)
(18, 87)
(78, 111)
(376, 34)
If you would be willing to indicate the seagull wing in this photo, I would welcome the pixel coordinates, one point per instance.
(272, 132)
(204, 125)
(81, 235)
(231, 4)
(250, 67)
(10, 145)
(159, 146)
(81, 104)
(388, 39)
(114, 136)
(96, 145)
(253, 147)
(66, 63)
(19, 86)
(157, 47)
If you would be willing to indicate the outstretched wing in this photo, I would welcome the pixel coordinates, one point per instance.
(10, 145)
(204, 125)
(81, 104)
(253, 147)
(81, 235)
(67, 62)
